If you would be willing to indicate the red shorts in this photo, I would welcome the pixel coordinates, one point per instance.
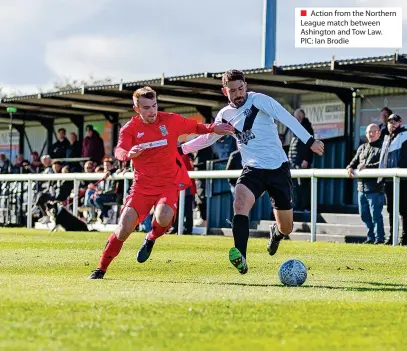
(143, 203)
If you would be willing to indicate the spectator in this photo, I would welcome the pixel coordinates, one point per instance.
(58, 190)
(384, 116)
(224, 146)
(36, 163)
(26, 167)
(301, 156)
(4, 164)
(394, 155)
(370, 192)
(59, 148)
(87, 187)
(234, 162)
(18, 164)
(74, 150)
(93, 146)
(66, 169)
(47, 164)
(107, 194)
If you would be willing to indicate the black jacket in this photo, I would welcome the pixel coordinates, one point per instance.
(61, 189)
(74, 150)
(397, 150)
(383, 131)
(298, 151)
(369, 155)
(58, 149)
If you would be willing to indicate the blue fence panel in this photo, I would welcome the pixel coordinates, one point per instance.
(330, 191)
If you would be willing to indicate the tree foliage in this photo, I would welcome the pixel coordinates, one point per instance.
(67, 83)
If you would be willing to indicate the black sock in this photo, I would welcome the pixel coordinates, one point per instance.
(279, 235)
(240, 228)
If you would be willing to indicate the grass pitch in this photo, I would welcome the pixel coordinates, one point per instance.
(189, 297)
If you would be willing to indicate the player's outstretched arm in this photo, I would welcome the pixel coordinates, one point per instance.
(199, 143)
(274, 109)
(211, 133)
(190, 126)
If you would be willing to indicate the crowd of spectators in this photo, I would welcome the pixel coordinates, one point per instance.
(101, 200)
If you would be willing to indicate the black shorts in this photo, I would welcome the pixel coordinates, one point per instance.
(277, 182)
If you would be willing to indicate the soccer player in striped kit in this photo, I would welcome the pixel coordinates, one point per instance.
(265, 164)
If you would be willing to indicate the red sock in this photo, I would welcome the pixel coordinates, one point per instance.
(157, 230)
(112, 249)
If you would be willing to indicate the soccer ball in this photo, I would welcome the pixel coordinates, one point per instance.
(292, 272)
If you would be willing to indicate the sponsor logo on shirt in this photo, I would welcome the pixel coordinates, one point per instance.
(245, 136)
(154, 144)
(163, 129)
(140, 134)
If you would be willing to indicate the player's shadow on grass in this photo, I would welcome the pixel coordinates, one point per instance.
(377, 284)
(394, 287)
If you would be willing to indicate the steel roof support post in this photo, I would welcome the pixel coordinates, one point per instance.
(269, 32)
(294, 101)
(206, 112)
(349, 136)
(49, 126)
(21, 131)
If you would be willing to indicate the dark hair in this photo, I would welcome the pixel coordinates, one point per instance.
(89, 127)
(57, 162)
(145, 92)
(232, 75)
(62, 130)
(390, 112)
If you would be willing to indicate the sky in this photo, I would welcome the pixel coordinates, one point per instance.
(48, 41)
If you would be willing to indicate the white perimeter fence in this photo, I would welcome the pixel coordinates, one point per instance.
(314, 174)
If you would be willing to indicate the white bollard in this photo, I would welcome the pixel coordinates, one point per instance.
(181, 212)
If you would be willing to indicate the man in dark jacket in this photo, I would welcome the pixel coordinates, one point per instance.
(384, 116)
(301, 156)
(92, 145)
(394, 155)
(74, 151)
(370, 192)
(58, 149)
(57, 190)
(107, 193)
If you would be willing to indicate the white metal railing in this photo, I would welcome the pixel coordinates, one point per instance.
(314, 174)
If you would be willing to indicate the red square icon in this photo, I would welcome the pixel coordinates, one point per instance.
(303, 12)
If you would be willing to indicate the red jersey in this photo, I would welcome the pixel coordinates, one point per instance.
(159, 167)
(189, 167)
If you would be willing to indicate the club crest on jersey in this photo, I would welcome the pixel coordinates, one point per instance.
(163, 129)
(247, 112)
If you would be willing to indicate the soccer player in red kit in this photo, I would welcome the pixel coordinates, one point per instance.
(149, 140)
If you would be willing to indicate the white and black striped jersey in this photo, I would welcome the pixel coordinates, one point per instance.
(255, 131)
